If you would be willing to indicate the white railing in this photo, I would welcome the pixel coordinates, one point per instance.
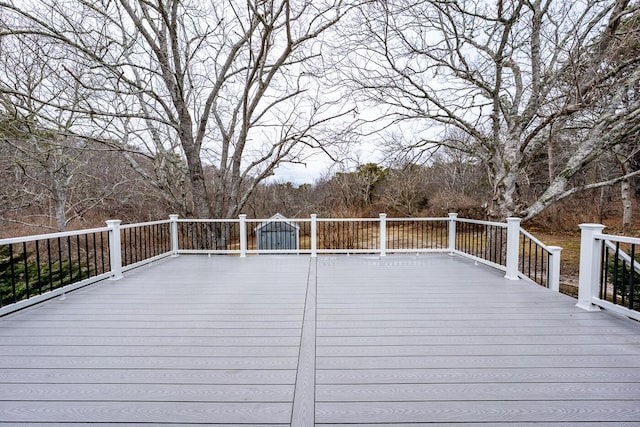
(539, 262)
(123, 247)
(509, 248)
(312, 235)
(609, 276)
(37, 268)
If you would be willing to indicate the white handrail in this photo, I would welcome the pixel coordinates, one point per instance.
(622, 254)
(346, 219)
(621, 239)
(535, 240)
(25, 239)
(144, 224)
(419, 219)
(208, 220)
(480, 222)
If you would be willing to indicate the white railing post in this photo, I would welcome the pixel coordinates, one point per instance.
(314, 241)
(513, 241)
(452, 233)
(554, 268)
(174, 234)
(115, 254)
(243, 236)
(383, 234)
(589, 275)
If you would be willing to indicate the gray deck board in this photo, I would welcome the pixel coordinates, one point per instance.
(290, 341)
(305, 393)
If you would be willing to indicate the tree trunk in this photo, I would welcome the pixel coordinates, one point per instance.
(553, 209)
(627, 211)
(201, 199)
(506, 196)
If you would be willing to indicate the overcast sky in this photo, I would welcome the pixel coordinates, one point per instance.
(319, 165)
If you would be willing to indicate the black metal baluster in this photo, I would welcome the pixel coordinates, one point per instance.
(490, 243)
(522, 244)
(124, 243)
(147, 247)
(69, 259)
(86, 251)
(547, 277)
(604, 263)
(79, 257)
(615, 273)
(632, 273)
(50, 264)
(624, 275)
(108, 256)
(529, 259)
(535, 271)
(95, 255)
(467, 236)
(153, 240)
(499, 244)
(137, 247)
(474, 241)
(60, 261)
(162, 237)
(13, 273)
(26, 269)
(39, 267)
(102, 252)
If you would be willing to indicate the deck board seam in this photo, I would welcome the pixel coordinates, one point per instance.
(303, 405)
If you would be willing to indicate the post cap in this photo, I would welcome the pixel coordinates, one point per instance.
(589, 226)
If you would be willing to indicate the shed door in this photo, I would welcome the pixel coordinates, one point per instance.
(277, 236)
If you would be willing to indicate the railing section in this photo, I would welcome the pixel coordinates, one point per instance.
(419, 234)
(609, 272)
(143, 242)
(507, 247)
(535, 259)
(348, 235)
(214, 236)
(38, 265)
(482, 240)
(620, 274)
(312, 235)
(501, 245)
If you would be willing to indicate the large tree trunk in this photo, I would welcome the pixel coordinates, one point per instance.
(553, 209)
(201, 199)
(505, 173)
(627, 208)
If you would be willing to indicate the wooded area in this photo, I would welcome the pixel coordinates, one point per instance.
(136, 109)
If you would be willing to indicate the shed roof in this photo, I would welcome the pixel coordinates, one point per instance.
(278, 218)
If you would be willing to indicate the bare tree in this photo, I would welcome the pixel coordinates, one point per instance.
(510, 75)
(405, 191)
(234, 85)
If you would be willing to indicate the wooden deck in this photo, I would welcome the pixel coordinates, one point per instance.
(289, 340)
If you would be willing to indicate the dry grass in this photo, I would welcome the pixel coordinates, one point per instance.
(569, 259)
